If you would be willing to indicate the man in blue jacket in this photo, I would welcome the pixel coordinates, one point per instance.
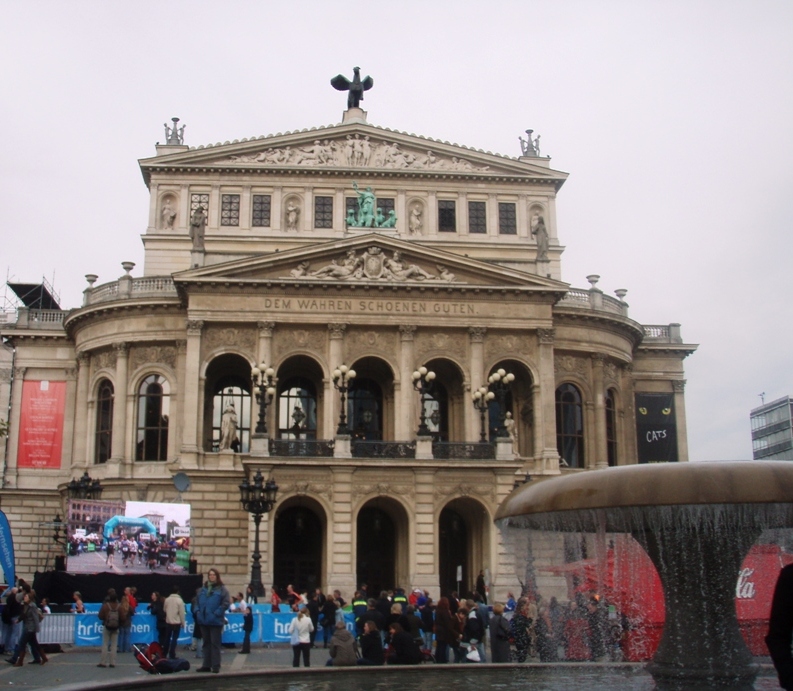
(213, 602)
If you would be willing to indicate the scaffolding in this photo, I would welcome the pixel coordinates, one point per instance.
(36, 296)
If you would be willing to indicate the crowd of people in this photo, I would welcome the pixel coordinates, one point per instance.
(393, 628)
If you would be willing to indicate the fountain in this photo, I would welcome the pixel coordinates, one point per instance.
(697, 522)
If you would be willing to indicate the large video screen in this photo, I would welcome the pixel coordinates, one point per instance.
(127, 536)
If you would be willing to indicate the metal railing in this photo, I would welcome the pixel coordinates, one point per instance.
(463, 450)
(383, 449)
(302, 447)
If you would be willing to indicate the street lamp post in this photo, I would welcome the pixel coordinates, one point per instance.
(423, 382)
(342, 377)
(258, 498)
(482, 398)
(84, 488)
(499, 383)
(264, 390)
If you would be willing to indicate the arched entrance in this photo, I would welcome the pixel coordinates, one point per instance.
(381, 545)
(298, 545)
(463, 541)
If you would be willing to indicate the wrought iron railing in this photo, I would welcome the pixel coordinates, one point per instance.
(474, 451)
(384, 449)
(301, 447)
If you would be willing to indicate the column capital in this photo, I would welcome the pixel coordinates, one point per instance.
(266, 328)
(598, 359)
(678, 385)
(546, 336)
(337, 329)
(407, 331)
(83, 358)
(194, 327)
(477, 333)
(71, 373)
(181, 346)
(122, 349)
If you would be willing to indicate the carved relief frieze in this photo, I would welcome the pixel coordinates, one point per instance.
(503, 345)
(611, 372)
(484, 489)
(448, 342)
(227, 337)
(298, 485)
(385, 488)
(361, 342)
(373, 264)
(285, 340)
(105, 359)
(146, 355)
(570, 364)
(357, 152)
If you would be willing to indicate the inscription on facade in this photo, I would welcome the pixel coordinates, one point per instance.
(377, 306)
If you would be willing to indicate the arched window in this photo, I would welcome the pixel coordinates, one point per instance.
(436, 408)
(103, 438)
(365, 409)
(611, 427)
(570, 425)
(154, 405)
(231, 390)
(297, 409)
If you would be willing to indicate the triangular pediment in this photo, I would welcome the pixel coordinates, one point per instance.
(357, 147)
(371, 260)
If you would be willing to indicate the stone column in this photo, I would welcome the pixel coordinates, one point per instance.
(194, 406)
(477, 378)
(341, 567)
(600, 455)
(546, 401)
(16, 411)
(537, 418)
(81, 441)
(426, 573)
(181, 368)
(405, 411)
(335, 358)
(679, 387)
(69, 429)
(627, 448)
(118, 443)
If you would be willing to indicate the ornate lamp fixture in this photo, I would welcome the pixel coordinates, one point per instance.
(499, 383)
(482, 398)
(423, 383)
(264, 390)
(342, 376)
(84, 488)
(258, 498)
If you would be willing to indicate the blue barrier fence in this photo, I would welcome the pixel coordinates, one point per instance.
(267, 628)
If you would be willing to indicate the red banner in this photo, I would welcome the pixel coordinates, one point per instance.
(41, 424)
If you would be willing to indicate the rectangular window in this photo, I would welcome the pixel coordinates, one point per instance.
(199, 199)
(477, 217)
(384, 206)
(447, 217)
(261, 210)
(507, 224)
(323, 212)
(229, 209)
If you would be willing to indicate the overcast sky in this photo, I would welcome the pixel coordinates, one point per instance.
(674, 120)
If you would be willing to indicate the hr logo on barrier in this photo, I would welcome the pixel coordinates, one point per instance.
(281, 628)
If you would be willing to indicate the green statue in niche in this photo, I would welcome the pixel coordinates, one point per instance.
(369, 214)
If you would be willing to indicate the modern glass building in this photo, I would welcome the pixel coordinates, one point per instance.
(772, 431)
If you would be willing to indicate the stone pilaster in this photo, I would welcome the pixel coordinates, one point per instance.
(335, 359)
(546, 402)
(679, 387)
(405, 411)
(341, 562)
(600, 456)
(191, 413)
(118, 447)
(81, 441)
(427, 570)
(476, 335)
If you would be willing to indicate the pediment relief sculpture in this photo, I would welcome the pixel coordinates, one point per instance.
(356, 151)
(372, 265)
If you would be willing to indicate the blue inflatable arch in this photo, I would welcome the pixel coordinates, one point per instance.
(128, 522)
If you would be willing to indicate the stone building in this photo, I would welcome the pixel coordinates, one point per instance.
(301, 252)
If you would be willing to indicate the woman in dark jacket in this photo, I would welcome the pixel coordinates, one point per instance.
(213, 602)
(157, 608)
(499, 635)
(405, 650)
(371, 645)
(328, 619)
(446, 633)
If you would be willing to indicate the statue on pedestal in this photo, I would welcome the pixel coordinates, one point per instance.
(198, 223)
(540, 232)
(356, 87)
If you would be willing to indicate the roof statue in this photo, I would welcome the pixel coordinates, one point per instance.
(175, 134)
(356, 87)
(528, 146)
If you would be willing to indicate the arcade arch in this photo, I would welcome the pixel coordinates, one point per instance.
(299, 544)
(227, 382)
(382, 545)
(463, 541)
